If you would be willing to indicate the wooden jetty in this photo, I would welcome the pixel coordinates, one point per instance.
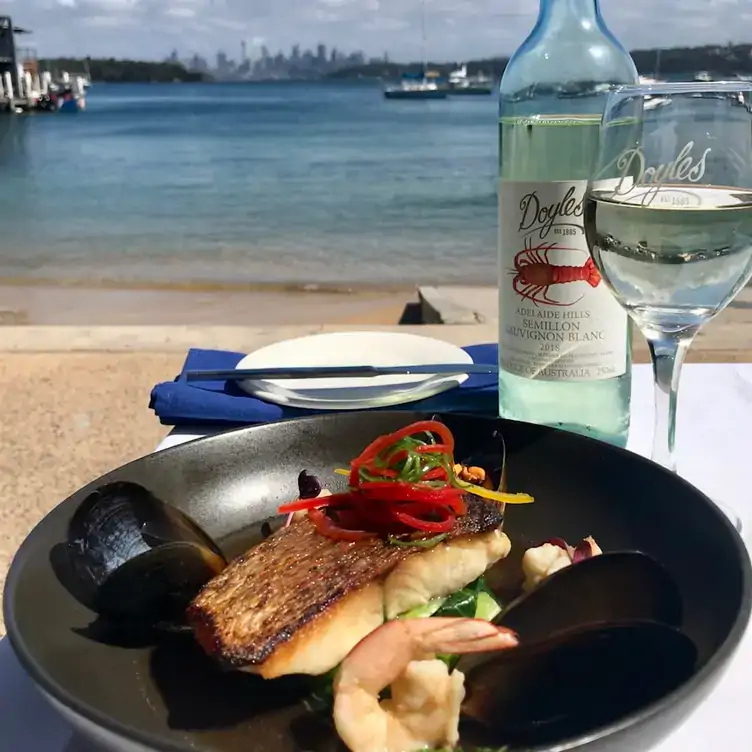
(26, 89)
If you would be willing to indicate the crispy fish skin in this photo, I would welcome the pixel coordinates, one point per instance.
(294, 591)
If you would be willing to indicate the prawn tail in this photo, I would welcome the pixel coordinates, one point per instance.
(471, 636)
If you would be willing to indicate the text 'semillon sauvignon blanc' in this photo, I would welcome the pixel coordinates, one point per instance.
(563, 339)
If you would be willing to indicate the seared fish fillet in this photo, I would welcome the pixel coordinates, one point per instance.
(298, 602)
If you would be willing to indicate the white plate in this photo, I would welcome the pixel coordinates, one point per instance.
(353, 349)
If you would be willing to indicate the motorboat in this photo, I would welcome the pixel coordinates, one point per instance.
(419, 86)
(463, 84)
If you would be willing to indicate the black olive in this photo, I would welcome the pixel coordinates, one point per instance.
(309, 486)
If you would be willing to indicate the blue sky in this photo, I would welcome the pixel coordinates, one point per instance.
(457, 29)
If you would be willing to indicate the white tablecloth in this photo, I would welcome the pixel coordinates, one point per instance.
(714, 453)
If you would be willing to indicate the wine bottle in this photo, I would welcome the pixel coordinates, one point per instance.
(564, 351)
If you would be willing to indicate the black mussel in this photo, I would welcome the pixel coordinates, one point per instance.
(309, 486)
(137, 558)
(610, 587)
(573, 683)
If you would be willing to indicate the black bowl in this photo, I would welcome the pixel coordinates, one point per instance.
(133, 694)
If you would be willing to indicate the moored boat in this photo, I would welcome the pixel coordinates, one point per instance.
(415, 89)
(463, 84)
(422, 85)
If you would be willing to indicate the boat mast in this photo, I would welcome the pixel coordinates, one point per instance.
(423, 35)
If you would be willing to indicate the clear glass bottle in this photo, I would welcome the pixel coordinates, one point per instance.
(564, 342)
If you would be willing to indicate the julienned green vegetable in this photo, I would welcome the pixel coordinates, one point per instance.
(419, 543)
(486, 607)
(474, 601)
(421, 612)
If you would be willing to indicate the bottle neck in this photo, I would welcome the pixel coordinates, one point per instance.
(556, 14)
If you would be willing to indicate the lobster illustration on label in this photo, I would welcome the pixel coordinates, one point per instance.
(534, 274)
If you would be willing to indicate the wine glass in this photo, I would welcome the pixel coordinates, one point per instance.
(668, 219)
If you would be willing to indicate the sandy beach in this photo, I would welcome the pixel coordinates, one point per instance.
(83, 303)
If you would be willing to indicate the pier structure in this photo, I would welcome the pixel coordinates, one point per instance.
(24, 87)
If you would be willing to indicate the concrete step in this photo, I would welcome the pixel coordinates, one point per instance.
(450, 304)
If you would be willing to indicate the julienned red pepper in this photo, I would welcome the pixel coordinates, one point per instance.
(301, 504)
(429, 448)
(326, 526)
(394, 458)
(426, 426)
(397, 491)
(386, 505)
(384, 472)
(423, 426)
(438, 473)
(408, 517)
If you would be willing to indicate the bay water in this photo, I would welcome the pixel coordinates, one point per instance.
(270, 183)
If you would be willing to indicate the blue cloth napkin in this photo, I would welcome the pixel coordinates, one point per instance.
(223, 403)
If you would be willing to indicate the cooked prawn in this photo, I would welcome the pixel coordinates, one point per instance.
(424, 708)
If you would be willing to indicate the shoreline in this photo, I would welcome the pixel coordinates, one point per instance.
(149, 303)
(201, 285)
(109, 303)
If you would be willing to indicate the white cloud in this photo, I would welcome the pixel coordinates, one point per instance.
(456, 29)
(181, 12)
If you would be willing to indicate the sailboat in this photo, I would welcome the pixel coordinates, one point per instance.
(655, 78)
(651, 102)
(422, 85)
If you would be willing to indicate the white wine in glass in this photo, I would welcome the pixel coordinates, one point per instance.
(668, 219)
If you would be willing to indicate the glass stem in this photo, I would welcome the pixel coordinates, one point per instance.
(668, 352)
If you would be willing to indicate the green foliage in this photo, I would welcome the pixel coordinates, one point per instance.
(720, 60)
(123, 71)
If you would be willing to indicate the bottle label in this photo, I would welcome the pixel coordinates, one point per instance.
(557, 319)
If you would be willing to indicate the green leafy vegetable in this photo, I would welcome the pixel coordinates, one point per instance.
(421, 612)
(486, 607)
(462, 603)
(473, 601)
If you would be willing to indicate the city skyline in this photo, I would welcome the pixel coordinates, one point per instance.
(455, 29)
(300, 62)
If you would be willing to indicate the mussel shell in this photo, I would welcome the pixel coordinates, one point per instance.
(493, 459)
(612, 587)
(157, 585)
(573, 683)
(136, 557)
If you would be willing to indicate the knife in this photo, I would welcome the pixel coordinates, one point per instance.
(334, 372)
